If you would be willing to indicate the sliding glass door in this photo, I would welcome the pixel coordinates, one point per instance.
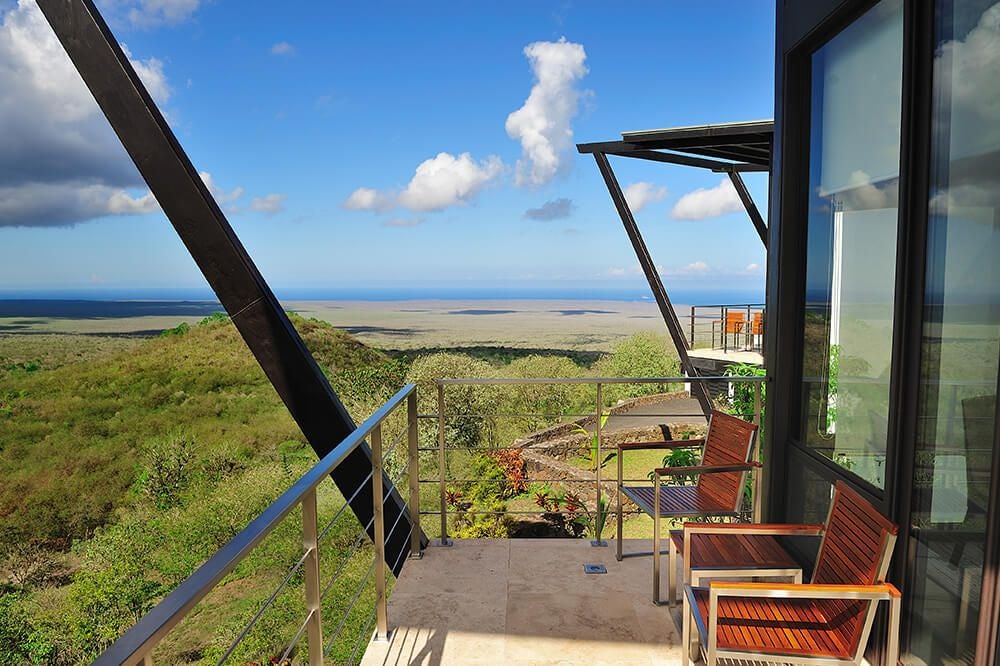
(960, 337)
(889, 201)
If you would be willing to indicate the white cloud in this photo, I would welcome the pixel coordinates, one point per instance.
(151, 74)
(404, 222)
(696, 267)
(711, 202)
(752, 268)
(446, 180)
(269, 203)
(154, 13)
(366, 198)
(641, 194)
(556, 209)
(438, 183)
(121, 203)
(282, 48)
(221, 196)
(616, 271)
(65, 204)
(542, 124)
(968, 69)
(60, 162)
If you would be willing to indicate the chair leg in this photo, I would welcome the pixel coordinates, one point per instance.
(618, 552)
(672, 573)
(656, 542)
(892, 649)
(685, 631)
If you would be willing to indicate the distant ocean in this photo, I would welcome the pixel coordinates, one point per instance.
(395, 293)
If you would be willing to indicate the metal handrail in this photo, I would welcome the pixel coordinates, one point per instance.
(473, 381)
(723, 310)
(136, 645)
(757, 381)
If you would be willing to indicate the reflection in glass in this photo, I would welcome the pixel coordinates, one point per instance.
(961, 337)
(852, 228)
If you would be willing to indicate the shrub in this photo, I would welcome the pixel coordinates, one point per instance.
(644, 354)
(167, 472)
(470, 427)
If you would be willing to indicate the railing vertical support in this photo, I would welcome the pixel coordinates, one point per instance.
(442, 468)
(598, 521)
(147, 660)
(311, 575)
(725, 330)
(378, 493)
(757, 473)
(412, 443)
(692, 327)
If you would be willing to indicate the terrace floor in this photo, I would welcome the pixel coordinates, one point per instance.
(527, 601)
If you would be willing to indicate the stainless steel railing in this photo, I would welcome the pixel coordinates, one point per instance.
(599, 383)
(137, 645)
(708, 323)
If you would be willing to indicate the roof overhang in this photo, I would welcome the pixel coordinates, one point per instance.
(742, 146)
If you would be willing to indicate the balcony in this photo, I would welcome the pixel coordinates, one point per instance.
(387, 593)
(527, 601)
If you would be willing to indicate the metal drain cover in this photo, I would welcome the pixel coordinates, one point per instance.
(595, 569)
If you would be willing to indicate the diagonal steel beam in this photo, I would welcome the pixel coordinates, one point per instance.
(655, 283)
(217, 251)
(751, 207)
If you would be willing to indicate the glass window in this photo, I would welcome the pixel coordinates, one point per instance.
(960, 337)
(851, 247)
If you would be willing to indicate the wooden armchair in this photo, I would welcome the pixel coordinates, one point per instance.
(722, 476)
(827, 621)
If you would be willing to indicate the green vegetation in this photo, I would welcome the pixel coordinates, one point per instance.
(644, 354)
(129, 463)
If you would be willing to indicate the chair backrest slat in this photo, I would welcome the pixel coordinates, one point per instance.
(734, 322)
(856, 548)
(729, 441)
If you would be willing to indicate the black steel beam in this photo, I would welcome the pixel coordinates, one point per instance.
(751, 207)
(625, 149)
(213, 244)
(672, 158)
(698, 388)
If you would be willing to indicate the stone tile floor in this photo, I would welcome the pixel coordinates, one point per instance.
(527, 601)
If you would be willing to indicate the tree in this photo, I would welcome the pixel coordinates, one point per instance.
(644, 354)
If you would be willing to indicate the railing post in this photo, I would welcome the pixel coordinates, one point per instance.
(692, 327)
(757, 473)
(442, 468)
(725, 330)
(147, 660)
(381, 619)
(414, 472)
(311, 575)
(598, 523)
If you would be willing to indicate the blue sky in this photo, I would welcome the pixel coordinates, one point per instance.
(374, 144)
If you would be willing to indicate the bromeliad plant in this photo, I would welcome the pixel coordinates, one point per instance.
(594, 440)
(575, 518)
(680, 457)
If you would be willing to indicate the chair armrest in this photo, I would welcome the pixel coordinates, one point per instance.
(774, 529)
(669, 444)
(876, 592)
(707, 469)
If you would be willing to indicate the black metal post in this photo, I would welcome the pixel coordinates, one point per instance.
(217, 251)
(751, 207)
(698, 388)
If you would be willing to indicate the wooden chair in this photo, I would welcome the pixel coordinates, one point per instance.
(734, 324)
(755, 334)
(722, 475)
(827, 621)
